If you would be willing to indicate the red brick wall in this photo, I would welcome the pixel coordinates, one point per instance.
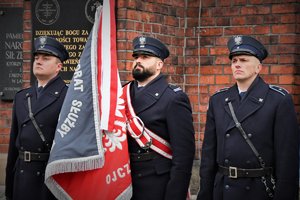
(198, 61)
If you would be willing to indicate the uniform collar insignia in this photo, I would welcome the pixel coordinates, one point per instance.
(142, 41)
(238, 40)
(43, 41)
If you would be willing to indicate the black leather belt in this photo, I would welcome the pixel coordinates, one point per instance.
(234, 172)
(135, 157)
(28, 156)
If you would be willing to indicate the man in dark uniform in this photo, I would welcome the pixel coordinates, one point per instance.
(35, 114)
(161, 166)
(251, 141)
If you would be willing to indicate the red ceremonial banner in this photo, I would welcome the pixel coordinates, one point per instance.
(89, 158)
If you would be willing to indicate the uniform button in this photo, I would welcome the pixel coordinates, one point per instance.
(247, 187)
(248, 161)
(39, 149)
(22, 148)
(41, 125)
(38, 173)
(227, 187)
(139, 175)
(227, 135)
(249, 135)
(226, 161)
(21, 171)
(139, 151)
(24, 125)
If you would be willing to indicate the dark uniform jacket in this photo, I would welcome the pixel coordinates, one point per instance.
(25, 180)
(268, 117)
(166, 111)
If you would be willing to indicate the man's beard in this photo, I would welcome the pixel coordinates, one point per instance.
(141, 74)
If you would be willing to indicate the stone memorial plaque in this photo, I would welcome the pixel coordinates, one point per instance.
(11, 52)
(69, 21)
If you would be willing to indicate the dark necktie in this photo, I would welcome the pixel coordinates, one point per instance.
(39, 91)
(242, 95)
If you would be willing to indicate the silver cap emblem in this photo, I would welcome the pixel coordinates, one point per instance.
(142, 41)
(238, 40)
(43, 41)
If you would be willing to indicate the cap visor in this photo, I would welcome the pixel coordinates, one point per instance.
(46, 53)
(241, 52)
(144, 52)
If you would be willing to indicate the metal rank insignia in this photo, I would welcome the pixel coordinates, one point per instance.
(142, 41)
(238, 40)
(43, 41)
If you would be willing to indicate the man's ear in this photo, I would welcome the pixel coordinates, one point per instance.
(160, 64)
(59, 66)
(258, 68)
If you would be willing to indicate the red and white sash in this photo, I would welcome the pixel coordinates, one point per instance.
(143, 136)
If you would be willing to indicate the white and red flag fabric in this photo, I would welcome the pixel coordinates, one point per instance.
(89, 158)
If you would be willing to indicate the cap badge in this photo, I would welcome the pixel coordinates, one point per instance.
(43, 41)
(238, 40)
(142, 42)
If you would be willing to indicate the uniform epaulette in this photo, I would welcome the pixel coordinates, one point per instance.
(221, 90)
(278, 89)
(175, 88)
